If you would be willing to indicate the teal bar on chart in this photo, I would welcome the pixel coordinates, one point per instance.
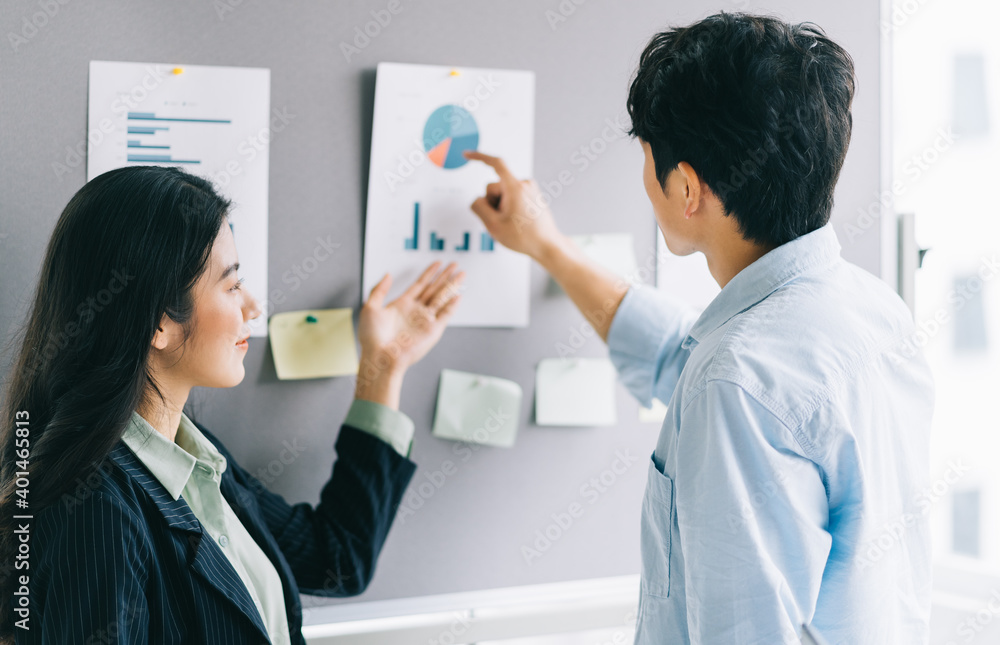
(486, 242)
(411, 242)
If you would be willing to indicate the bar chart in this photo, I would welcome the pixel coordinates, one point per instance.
(436, 242)
(156, 141)
(421, 186)
(411, 242)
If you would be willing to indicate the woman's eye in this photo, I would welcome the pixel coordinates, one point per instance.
(236, 287)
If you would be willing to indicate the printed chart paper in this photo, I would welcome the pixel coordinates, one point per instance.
(420, 186)
(213, 122)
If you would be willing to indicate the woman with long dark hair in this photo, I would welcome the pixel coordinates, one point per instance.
(123, 519)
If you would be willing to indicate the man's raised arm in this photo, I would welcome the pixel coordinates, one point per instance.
(643, 330)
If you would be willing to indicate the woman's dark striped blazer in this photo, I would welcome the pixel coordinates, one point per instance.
(128, 564)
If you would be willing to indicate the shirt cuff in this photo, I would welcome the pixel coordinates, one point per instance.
(391, 426)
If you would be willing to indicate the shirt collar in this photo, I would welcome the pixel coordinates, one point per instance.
(761, 278)
(171, 462)
(191, 439)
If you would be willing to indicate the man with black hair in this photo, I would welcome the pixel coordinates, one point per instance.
(785, 486)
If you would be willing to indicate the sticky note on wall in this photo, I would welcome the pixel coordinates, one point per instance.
(575, 392)
(313, 343)
(656, 413)
(611, 250)
(477, 408)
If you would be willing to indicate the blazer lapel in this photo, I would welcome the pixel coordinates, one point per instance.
(209, 560)
(244, 505)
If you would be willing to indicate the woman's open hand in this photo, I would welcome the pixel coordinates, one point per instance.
(394, 336)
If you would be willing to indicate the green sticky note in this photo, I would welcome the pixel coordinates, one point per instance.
(575, 392)
(653, 414)
(314, 343)
(477, 408)
(611, 250)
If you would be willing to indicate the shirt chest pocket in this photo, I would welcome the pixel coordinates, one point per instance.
(657, 521)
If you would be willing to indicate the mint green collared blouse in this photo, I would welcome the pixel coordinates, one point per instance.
(191, 466)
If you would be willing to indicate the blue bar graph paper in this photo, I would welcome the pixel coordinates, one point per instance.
(411, 242)
(142, 128)
(465, 245)
(437, 243)
(165, 158)
(151, 116)
(485, 242)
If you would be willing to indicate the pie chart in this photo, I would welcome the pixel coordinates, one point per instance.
(450, 131)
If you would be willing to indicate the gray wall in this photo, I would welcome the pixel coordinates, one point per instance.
(468, 534)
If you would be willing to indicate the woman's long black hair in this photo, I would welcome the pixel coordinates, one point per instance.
(127, 249)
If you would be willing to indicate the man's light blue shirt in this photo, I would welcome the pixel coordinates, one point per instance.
(789, 478)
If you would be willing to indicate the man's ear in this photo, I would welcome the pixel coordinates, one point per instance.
(692, 188)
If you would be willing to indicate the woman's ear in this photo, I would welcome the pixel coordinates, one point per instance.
(166, 333)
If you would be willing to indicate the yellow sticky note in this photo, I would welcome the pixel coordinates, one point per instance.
(303, 349)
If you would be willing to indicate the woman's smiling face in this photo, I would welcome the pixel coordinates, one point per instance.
(213, 355)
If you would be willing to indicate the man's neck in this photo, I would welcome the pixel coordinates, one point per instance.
(728, 256)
